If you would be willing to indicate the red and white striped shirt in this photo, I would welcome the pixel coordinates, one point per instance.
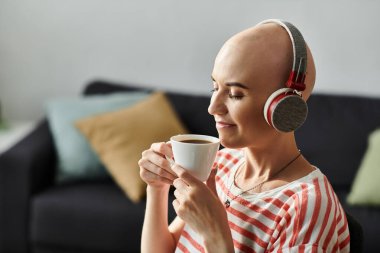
(302, 216)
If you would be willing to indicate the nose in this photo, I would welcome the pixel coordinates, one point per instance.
(217, 105)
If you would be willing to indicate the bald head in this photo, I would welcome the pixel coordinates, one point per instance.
(264, 55)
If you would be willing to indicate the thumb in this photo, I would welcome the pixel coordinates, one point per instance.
(183, 174)
(211, 181)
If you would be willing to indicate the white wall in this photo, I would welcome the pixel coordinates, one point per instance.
(51, 48)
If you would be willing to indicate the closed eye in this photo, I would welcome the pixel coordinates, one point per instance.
(235, 97)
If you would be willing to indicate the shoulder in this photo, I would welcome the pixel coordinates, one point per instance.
(312, 209)
(310, 189)
(310, 199)
(313, 197)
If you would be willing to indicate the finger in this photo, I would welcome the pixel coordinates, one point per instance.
(150, 177)
(153, 168)
(179, 196)
(178, 208)
(163, 163)
(171, 162)
(184, 175)
(159, 161)
(175, 204)
(211, 181)
(171, 149)
(180, 185)
(162, 148)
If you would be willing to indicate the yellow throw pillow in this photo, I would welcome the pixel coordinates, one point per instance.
(121, 136)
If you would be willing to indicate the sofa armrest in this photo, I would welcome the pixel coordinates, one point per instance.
(25, 169)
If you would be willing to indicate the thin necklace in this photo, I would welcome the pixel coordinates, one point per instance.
(227, 203)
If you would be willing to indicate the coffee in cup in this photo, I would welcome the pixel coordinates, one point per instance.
(195, 153)
(196, 141)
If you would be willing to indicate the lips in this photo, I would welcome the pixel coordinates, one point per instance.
(222, 124)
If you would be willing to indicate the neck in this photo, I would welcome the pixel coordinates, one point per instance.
(262, 162)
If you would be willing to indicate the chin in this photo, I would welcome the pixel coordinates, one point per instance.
(230, 143)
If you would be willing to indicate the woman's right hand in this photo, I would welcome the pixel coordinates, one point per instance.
(155, 169)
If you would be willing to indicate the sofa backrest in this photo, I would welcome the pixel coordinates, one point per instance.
(333, 138)
(335, 134)
(191, 109)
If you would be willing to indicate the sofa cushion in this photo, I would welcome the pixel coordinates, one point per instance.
(121, 136)
(76, 160)
(99, 212)
(334, 136)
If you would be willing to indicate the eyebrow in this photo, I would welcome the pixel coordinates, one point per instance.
(233, 84)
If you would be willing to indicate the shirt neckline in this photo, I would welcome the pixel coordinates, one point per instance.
(232, 188)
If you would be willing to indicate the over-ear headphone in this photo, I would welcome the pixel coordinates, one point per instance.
(285, 110)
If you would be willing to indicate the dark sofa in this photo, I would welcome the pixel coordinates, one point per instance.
(36, 215)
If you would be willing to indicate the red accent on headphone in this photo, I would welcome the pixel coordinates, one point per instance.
(273, 105)
(296, 81)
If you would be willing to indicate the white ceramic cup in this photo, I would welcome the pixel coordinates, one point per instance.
(197, 158)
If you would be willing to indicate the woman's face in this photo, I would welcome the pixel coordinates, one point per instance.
(241, 85)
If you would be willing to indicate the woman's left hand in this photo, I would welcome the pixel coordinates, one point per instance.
(198, 205)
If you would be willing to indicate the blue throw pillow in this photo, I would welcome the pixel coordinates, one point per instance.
(76, 159)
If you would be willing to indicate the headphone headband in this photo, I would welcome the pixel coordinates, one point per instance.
(297, 76)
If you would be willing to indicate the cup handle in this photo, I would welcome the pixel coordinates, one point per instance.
(171, 161)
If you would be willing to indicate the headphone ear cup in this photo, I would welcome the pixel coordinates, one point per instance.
(285, 110)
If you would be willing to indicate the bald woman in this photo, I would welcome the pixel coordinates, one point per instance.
(263, 195)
